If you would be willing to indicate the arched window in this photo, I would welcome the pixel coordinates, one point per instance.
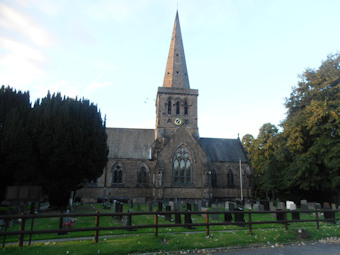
(169, 106)
(182, 167)
(230, 178)
(142, 175)
(177, 107)
(213, 178)
(117, 174)
(185, 107)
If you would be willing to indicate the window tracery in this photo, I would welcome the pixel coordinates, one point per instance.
(182, 167)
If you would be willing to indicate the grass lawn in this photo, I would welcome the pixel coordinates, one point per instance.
(169, 239)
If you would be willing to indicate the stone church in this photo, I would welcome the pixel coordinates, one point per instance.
(172, 161)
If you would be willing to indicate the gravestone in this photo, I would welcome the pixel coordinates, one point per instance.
(258, 207)
(189, 207)
(279, 215)
(187, 219)
(229, 206)
(311, 206)
(139, 207)
(168, 209)
(295, 215)
(228, 217)
(317, 206)
(181, 206)
(304, 207)
(196, 207)
(172, 205)
(214, 216)
(303, 202)
(333, 206)
(199, 204)
(214, 206)
(239, 217)
(160, 206)
(265, 204)
(281, 205)
(114, 206)
(150, 206)
(247, 205)
(204, 209)
(178, 218)
(329, 216)
(288, 204)
(326, 205)
(272, 208)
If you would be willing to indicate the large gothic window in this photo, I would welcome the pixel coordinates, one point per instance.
(230, 178)
(213, 178)
(182, 167)
(117, 174)
(142, 175)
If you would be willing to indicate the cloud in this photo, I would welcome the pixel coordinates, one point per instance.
(13, 20)
(61, 86)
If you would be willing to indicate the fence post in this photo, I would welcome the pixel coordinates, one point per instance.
(96, 235)
(317, 220)
(207, 221)
(156, 223)
(285, 219)
(32, 223)
(6, 228)
(22, 228)
(250, 226)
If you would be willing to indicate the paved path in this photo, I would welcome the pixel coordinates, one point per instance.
(300, 249)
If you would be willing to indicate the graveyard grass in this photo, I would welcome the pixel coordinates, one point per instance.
(169, 239)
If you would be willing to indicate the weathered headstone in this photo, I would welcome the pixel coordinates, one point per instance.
(204, 209)
(160, 206)
(288, 204)
(239, 216)
(272, 208)
(303, 201)
(189, 207)
(187, 219)
(199, 204)
(317, 206)
(258, 207)
(279, 215)
(150, 206)
(333, 206)
(229, 206)
(213, 205)
(295, 215)
(178, 218)
(214, 216)
(247, 206)
(311, 206)
(172, 205)
(326, 205)
(329, 216)
(281, 205)
(168, 209)
(228, 217)
(196, 207)
(265, 204)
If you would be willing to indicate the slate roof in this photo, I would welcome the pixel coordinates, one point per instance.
(223, 150)
(129, 143)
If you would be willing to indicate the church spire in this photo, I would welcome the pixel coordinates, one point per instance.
(176, 74)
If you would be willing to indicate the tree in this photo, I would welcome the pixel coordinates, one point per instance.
(70, 136)
(15, 143)
(312, 128)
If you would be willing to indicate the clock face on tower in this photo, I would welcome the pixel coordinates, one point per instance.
(178, 121)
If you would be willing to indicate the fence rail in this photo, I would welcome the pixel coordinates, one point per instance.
(22, 232)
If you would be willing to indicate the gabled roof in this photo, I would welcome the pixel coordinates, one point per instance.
(176, 74)
(130, 143)
(223, 150)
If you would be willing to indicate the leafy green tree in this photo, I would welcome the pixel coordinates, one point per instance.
(15, 143)
(312, 128)
(71, 142)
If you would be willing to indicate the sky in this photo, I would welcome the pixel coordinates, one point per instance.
(243, 56)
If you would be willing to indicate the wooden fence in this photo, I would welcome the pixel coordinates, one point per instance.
(243, 218)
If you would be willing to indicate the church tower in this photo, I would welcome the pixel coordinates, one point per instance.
(176, 103)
